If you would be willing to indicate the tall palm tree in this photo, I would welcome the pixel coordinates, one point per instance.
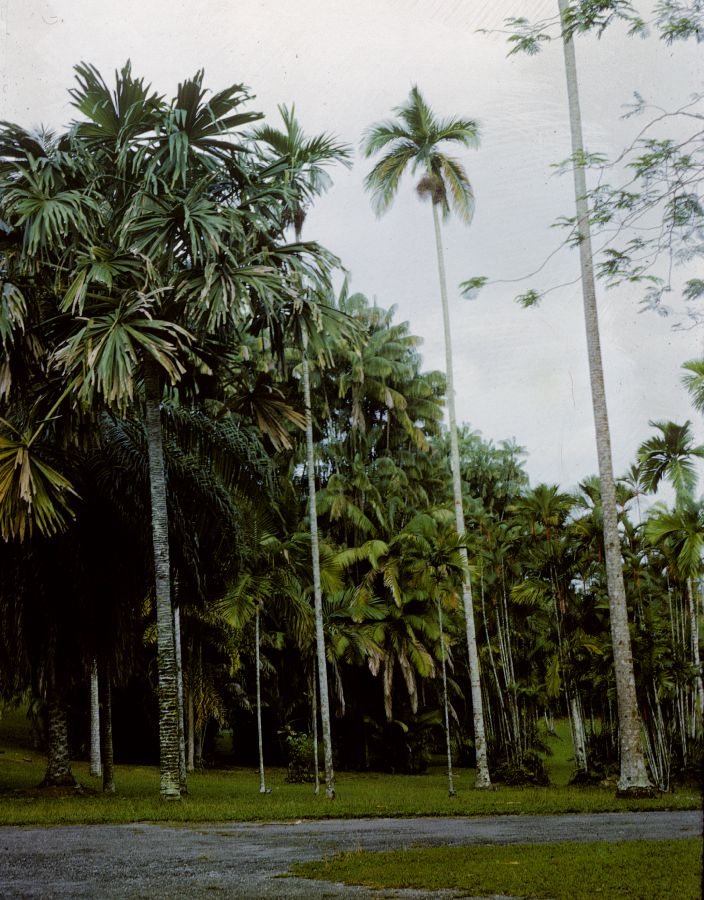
(306, 160)
(412, 142)
(633, 774)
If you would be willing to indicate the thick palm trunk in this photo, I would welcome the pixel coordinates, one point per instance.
(106, 732)
(317, 592)
(260, 740)
(58, 768)
(168, 692)
(95, 770)
(482, 773)
(633, 775)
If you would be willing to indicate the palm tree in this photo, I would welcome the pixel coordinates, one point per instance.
(693, 380)
(633, 777)
(170, 241)
(306, 160)
(412, 142)
(671, 455)
(683, 530)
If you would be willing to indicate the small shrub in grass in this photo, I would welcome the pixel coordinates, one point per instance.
(529, 771)
(299, 748)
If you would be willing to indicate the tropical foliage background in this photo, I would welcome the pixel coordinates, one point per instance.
(229, 501)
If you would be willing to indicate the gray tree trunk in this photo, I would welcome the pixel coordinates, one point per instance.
(450, 783)
(317, 591)
(314, 719)
(633, 775)
(482, 779)
(181, 712)
(95, 769)
(170, 788)
(262, 780)
(578, 739)
(694, 637)
(106, 732)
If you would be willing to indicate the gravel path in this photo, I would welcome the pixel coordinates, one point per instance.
(156, 862)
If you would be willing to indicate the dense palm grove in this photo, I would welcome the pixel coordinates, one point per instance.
(220, 475)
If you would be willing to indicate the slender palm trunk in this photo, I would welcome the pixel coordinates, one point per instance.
(58, 767)
(314, 711)
(694, 636)
(190, 714)
(106, 731)
(168, 693)
(181, 712)
(317, 592)
(633, 775)
(482, 773)
(450, 784)
(95, 770)
(257, 663)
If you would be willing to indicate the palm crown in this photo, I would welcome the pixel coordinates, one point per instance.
(411, 141)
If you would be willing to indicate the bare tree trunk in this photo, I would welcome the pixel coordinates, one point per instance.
(170, 787)
(179, 694)
(482, 773)
(578, 741)
(633, 775)
(95, 770)
(106, 732)
(694, 636)
(58, 768)
(191, 761)
(257, 663)
(191, 723)
(314, 710)
(450, 784)
(317, 592)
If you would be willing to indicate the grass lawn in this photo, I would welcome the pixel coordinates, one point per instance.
(233, 794)
(649, 870)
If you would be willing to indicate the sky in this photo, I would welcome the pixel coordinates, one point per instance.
(519, 373)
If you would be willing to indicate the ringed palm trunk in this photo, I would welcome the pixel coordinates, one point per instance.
(633, 775)
(180, 700)
(450, 783)
(168, 694)
(58, 768)
(482, 772)
(317, 591)
(260, 740)
(106, 731)
(95, 770)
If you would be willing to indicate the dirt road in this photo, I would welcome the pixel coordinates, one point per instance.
(156, 862)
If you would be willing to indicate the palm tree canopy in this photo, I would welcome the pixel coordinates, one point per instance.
(412, 141)
(671, 454)
(306, 159)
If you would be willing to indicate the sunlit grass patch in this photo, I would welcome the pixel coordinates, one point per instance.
(647, 870)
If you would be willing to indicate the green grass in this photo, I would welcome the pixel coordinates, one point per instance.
(650, 870)
(233, 794)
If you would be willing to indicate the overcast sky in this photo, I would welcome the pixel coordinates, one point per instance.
(346, 64)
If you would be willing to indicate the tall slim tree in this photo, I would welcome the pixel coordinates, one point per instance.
(306, 160)
(633, 776)
(412, 142)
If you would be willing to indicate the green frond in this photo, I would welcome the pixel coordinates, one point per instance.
(384, 179)
(32, 493)
(461, 195)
